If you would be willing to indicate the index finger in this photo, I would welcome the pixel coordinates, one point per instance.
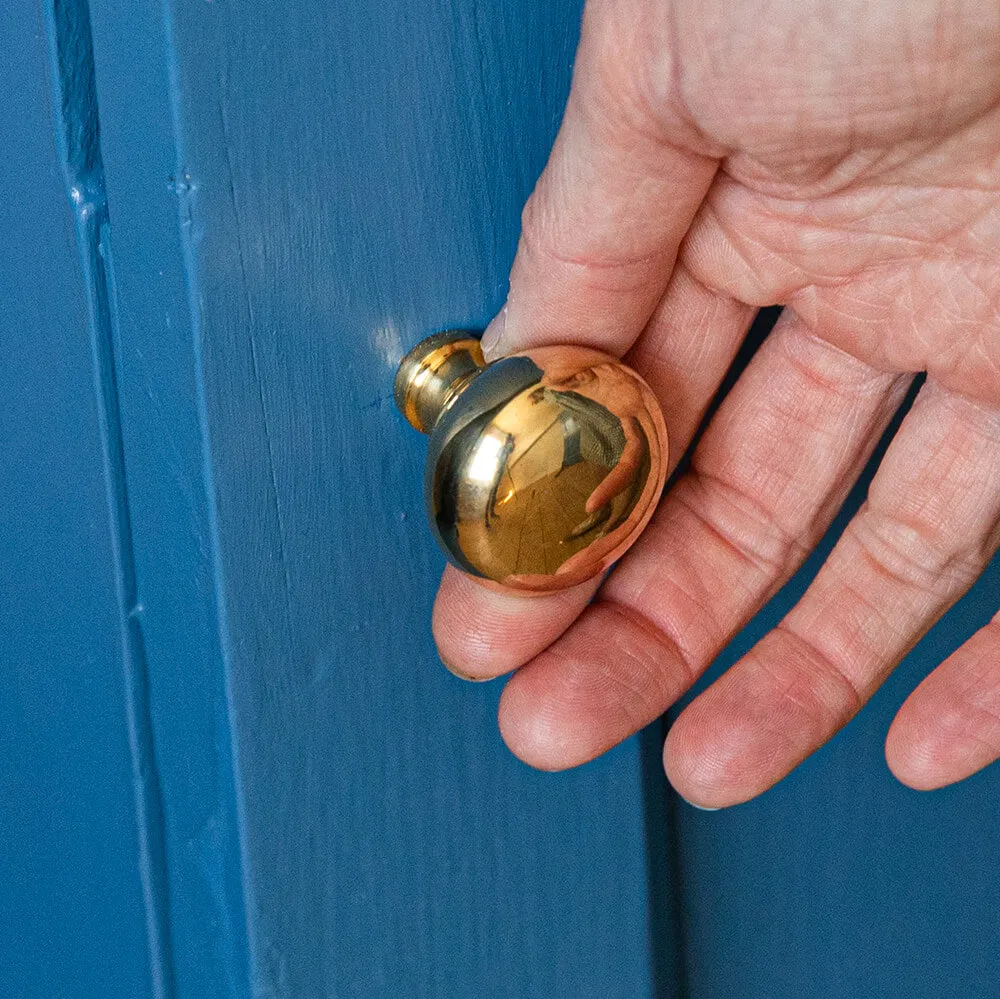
(482, 634)
(597, 254)
(601, 231)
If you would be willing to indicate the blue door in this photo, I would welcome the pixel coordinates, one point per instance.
(230, 762)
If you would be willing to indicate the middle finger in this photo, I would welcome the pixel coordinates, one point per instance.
(683, 354)
(774, 466)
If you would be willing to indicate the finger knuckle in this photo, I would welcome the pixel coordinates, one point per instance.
(917, 554)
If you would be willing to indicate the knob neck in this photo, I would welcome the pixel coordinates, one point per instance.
(433, 375)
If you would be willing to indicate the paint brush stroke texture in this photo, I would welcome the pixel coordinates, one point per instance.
(294, 200)
(79, 853)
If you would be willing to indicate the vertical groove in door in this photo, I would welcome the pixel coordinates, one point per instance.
(665, 885)
(71, 57)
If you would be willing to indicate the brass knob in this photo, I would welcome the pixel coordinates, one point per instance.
(542, 468)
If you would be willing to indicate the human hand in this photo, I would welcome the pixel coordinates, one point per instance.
(841, 158)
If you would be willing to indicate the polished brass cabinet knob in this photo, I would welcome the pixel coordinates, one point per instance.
(542, 468)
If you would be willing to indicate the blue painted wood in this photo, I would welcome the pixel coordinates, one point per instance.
(297, 193)
(78, 797)
(157, 354)
(840, 882)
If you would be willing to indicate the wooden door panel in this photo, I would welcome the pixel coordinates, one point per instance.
(79, 830)
(298, 193)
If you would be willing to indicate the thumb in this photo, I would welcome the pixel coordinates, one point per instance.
(600, 232)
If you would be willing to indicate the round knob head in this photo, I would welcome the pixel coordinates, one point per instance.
(545, 468)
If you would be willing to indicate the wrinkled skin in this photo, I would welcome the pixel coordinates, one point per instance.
(843, 159)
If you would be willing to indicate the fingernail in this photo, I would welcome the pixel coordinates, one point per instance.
(494, 335)
(457, 672)
(701, 808)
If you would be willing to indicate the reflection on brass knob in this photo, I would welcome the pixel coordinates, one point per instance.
(542, 468)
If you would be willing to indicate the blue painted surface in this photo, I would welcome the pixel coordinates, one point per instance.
(75, 849)
(296, 196)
